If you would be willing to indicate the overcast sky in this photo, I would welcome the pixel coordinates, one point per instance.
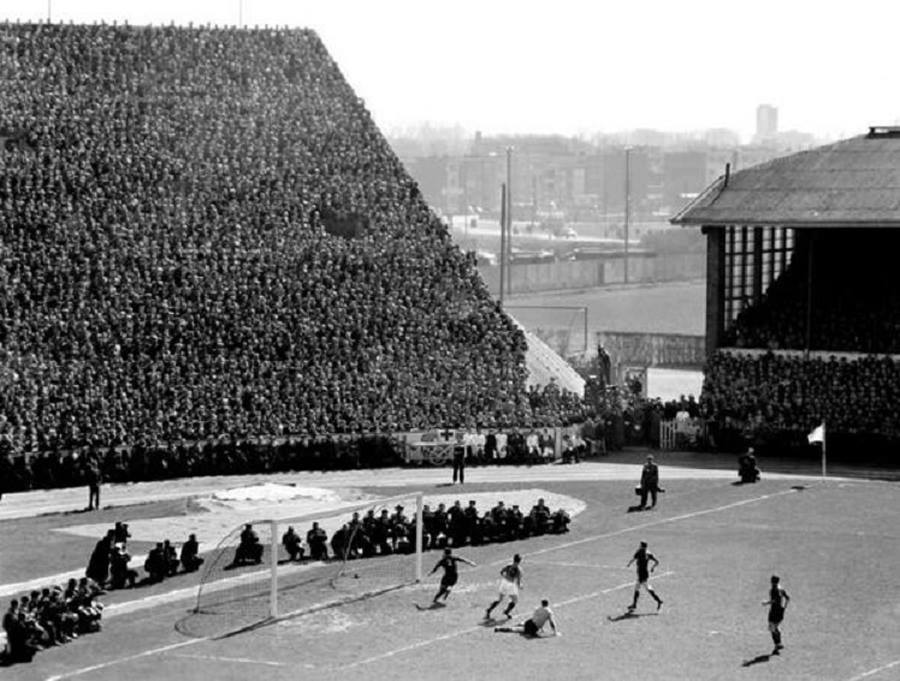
(567, 66)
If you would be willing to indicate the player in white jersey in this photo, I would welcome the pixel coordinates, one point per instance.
(510, 583)
(533, 625)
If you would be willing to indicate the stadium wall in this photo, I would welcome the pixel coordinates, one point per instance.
(561, 275)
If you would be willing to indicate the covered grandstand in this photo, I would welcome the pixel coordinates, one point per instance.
(205, 238)
(803, 295)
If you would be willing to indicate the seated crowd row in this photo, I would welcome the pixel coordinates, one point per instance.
(385, 533)
(50, 617)
(109, 562)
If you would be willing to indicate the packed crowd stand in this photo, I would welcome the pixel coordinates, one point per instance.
(171, 268)
(785, 394)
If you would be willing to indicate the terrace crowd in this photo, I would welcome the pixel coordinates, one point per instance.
(205, 236)
(792, 394)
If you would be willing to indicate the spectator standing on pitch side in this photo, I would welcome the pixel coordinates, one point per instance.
(459, 462)
(649, 483)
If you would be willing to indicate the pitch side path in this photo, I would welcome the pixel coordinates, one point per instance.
(618, 466)
(834, 542)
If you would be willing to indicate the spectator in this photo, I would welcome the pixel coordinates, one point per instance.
(649, 483)
(293, 545)
(190, 558)
(120, 573)
(317, 540)
(156, 565)
(249, 550)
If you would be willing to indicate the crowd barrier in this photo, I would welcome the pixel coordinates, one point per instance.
(681, 434)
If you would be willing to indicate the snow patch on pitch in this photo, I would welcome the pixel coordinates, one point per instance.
(270, 491)
(213, 516)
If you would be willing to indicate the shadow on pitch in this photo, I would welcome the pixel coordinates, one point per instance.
(632, 616)
(756, 660)
(430, 606)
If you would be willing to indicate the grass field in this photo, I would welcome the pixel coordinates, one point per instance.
(836, 544)
(677, 307)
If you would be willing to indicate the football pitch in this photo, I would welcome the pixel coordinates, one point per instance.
(835, 543)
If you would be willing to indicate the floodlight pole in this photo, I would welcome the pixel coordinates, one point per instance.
(49, 11)
(240, 13)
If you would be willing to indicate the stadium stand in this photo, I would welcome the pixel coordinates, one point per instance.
(204, 237)
(803, 312)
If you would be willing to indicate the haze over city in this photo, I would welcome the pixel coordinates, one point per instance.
(577, 68)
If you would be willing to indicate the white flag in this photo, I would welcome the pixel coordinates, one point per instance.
(818, 434)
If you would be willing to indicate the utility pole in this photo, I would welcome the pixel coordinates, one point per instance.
(240, 13)
(509, 217)
(627, 204)
(49, 11)
(502, 240)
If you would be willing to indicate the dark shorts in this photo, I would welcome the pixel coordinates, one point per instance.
(449, 580)
(775, 616)
(530, 628)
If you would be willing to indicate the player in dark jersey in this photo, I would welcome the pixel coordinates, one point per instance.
(778, 602)
(643, 558)
(510, 583)
(451, 574)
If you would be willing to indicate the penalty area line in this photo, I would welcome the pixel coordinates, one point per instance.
(592, 566)
(873, 672)
(129, 658)
(655, 523)
(243, 660)
(469, 630)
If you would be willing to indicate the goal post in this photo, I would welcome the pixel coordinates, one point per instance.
(361, 549)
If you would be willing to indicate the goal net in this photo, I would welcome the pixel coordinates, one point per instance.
(276, 568)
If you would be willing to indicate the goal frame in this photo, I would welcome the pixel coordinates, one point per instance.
(276, 524)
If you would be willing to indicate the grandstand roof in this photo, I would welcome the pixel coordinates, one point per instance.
(854, 182)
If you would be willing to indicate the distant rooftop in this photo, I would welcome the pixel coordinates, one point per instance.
(854, 182)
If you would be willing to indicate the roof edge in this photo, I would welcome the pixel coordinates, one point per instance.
(795, 224)
(716, 187)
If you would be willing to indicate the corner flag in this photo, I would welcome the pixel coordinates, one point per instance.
(818, 434)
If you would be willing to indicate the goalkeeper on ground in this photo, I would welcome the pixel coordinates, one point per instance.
(533, 625)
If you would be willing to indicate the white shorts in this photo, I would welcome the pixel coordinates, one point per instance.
(509, 589)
